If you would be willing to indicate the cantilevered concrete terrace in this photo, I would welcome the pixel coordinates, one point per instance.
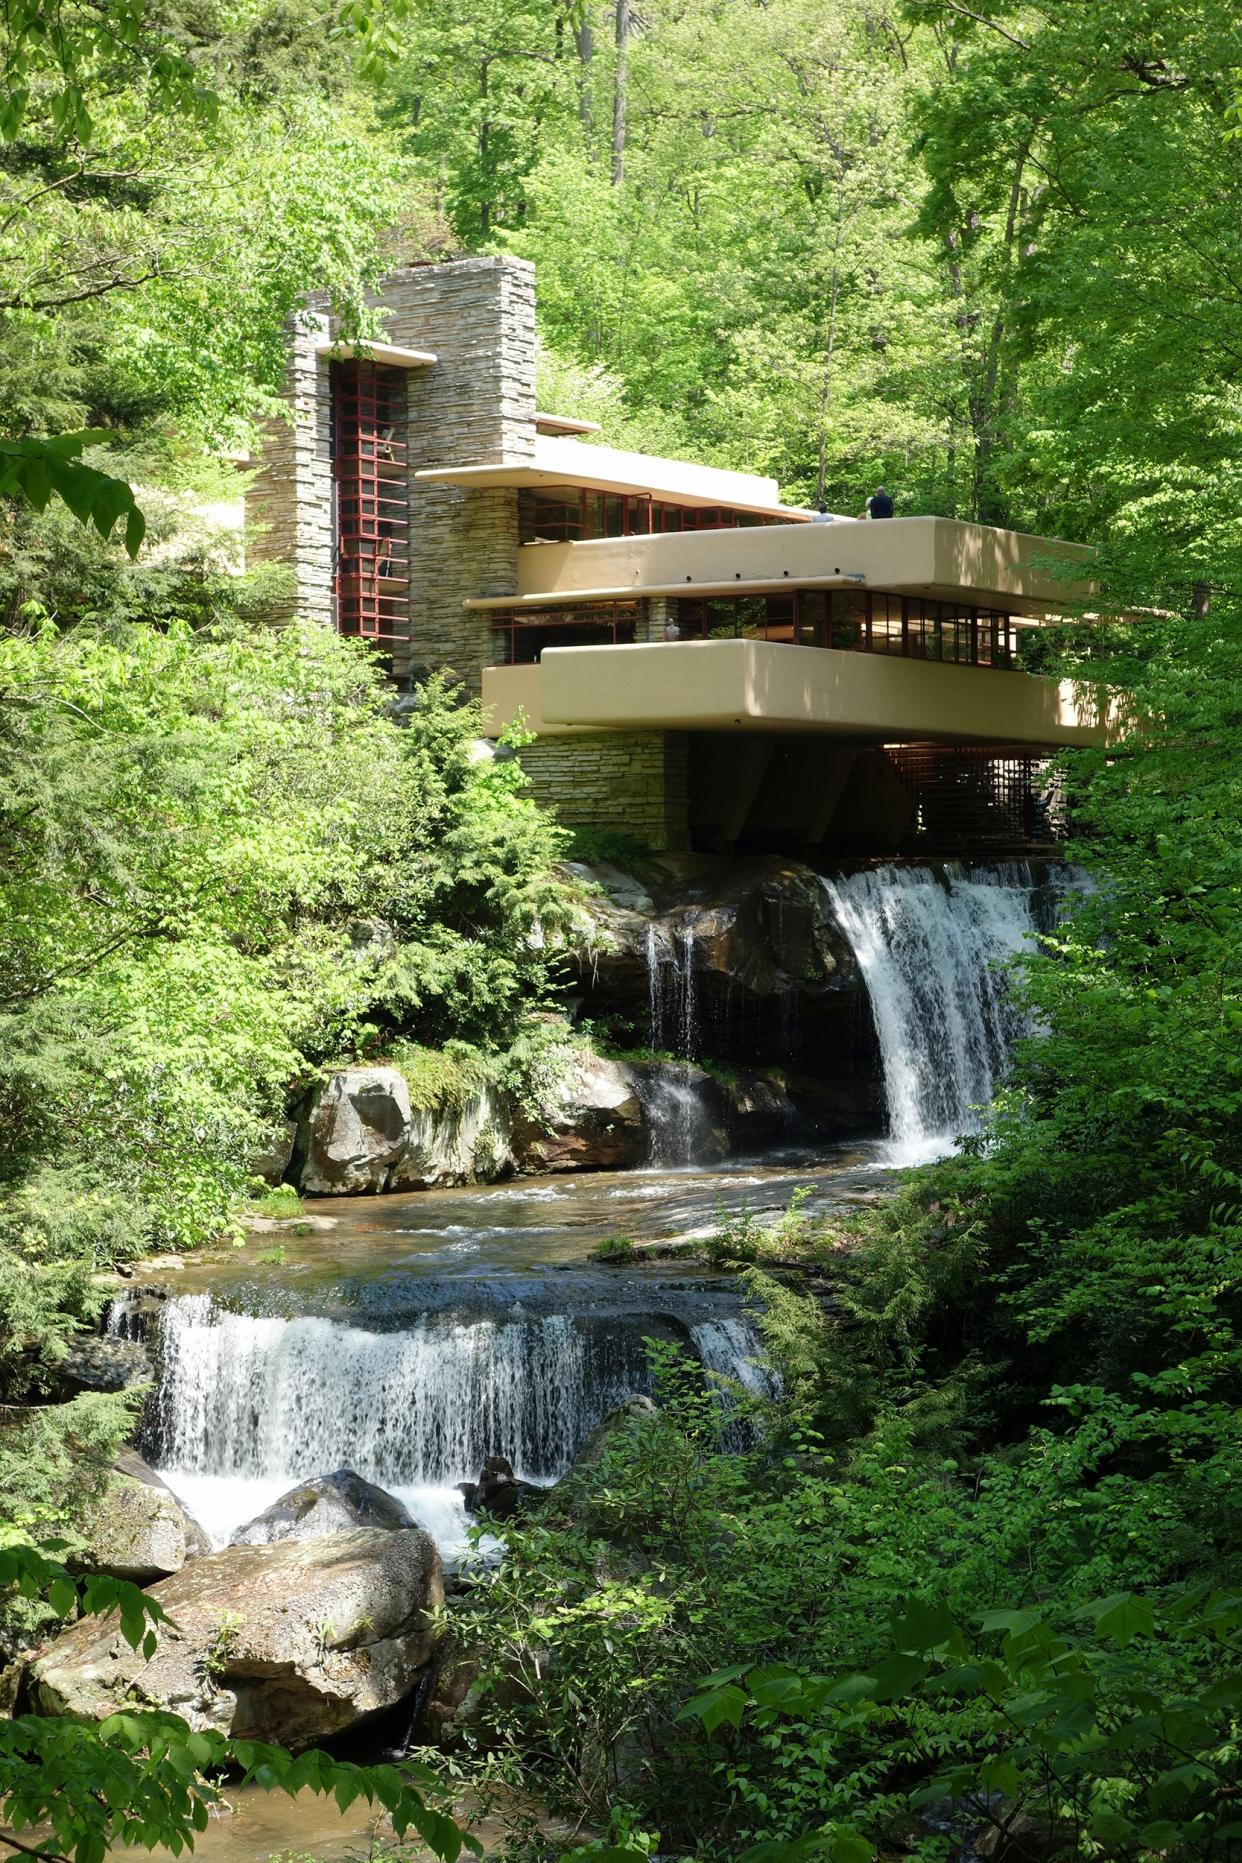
(938, 557)
(559, 462)
(899, 631)
(767, 686)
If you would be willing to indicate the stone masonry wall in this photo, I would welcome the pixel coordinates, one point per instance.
(627, 782)
(474, 405)
(289, 504)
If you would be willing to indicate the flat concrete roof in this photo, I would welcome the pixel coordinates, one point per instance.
(389, 355)
(564, 462)
(564, 423)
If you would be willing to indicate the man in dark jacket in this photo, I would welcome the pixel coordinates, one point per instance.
(879, 505)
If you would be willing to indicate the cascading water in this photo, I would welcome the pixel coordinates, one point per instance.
(679, 1121)
(250, 1405)
(931, 946)
(672, 996)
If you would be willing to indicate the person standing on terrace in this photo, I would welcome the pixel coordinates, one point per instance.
(879, 505)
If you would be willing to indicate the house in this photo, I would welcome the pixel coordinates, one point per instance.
(701, 664)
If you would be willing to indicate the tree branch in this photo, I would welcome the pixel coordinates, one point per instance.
(981, 19)
(28, 1850)
(81, 297)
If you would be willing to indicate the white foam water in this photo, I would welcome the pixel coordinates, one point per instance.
(250, 1405)
(932, 947)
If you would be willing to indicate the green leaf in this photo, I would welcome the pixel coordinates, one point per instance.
(1124, 1618)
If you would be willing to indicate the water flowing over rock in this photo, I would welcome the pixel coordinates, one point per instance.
(293, 1642)
(329, 1504)
(251, 1405)
(932, 945)
(739, 961)
(687, 1112)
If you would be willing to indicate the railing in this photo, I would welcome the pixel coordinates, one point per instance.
(573, 515)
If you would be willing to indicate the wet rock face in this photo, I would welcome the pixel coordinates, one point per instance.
(498, 1492)
(358, 1132)
(137, 1529)
(762, 928)
(738, 961)
(103, 1362)
(292, 1642)
(595, 1121)
(333, 1503)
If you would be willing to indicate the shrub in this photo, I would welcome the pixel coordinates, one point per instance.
(615, 1249)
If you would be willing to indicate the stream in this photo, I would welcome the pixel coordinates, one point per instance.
(418, 1334)
(410, 1336)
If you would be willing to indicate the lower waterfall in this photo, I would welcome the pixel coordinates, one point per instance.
(249, 1405)
(679, 1121)
(931, 946)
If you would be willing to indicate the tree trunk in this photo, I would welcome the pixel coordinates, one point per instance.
(584, 38)
(485, 132)
(620, 94)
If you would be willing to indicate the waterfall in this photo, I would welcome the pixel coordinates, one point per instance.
(731, 1347)
(929, 946)
(672, 996)
(655, 989)
(679, 1121)
(688, 1019)
(250, 1405)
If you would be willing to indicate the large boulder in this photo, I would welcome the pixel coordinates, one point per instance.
(358, 1132)
(460, 1147)
(328, 1504)
(293, 1642)
(104, 1362)
(275, 1153)
(137, 1528)
(353, 1130)
(594, 1120)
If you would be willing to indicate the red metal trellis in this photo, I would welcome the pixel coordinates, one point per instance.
(371, 578)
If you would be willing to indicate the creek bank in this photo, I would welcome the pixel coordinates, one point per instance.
(358, 1134)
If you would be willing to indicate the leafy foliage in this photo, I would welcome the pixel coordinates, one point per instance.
(227, 864)
(142, 1777)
